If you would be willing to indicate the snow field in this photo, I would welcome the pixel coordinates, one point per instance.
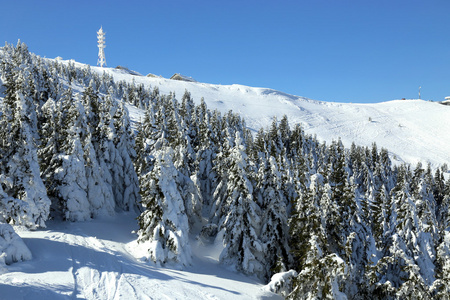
(94, 260)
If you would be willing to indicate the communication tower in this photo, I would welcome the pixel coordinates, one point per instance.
(101, 47)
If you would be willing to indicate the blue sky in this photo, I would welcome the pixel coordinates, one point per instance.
(331, 50)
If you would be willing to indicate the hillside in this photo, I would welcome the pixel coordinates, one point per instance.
(411, 130)
(189, 200)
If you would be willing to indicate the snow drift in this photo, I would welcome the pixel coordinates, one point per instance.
(12, 248)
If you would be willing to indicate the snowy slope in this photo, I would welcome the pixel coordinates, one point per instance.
(98, 259)
(412, 130)
(92, 260)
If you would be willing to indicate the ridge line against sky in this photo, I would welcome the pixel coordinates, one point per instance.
(342, 51)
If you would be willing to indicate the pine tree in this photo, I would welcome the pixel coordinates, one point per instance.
(241, 224)
(163, 225)
(71, 181)
(398, 272)
(206, 149)
(321, 273)
(221, 163)
(441, 287)
(19, 147)
(12, 210)
(274, 232)
(125, 180)
(275, 144)
(48, 152)
(146, 137)
(443, 214)
(381, 218)
(99, 192)
(439, 187)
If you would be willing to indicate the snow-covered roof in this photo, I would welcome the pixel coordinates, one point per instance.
(178, 76)
(128, 71)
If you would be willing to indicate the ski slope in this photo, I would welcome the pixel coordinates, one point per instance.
(93, 260)
(412, 130)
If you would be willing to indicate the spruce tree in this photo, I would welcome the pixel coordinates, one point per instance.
(164, 227)
(241, 223)
(274, 231)
(19, 147)
(321, 272)
(71, 197)
(49, 150)
(124, 177)
(99, 192)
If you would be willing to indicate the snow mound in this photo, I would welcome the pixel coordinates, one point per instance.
(281, 283)
(12, 248)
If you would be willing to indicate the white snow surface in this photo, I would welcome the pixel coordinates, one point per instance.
(411, 130)
(93, 260)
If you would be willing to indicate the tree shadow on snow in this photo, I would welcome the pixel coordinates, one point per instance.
(25, 291)
(224, 271)
(202, 267)
(55, 256)
(185, 278)
(58, 256)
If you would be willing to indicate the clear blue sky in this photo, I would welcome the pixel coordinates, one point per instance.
(334, 50)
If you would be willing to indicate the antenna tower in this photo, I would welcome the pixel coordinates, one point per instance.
(101, 47)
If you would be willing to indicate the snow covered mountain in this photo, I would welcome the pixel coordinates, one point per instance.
(215, 203)
(411, 130)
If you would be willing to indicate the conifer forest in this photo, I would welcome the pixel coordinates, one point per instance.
(329, 222)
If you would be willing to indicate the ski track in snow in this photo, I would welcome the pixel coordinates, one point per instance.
(89, 260)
